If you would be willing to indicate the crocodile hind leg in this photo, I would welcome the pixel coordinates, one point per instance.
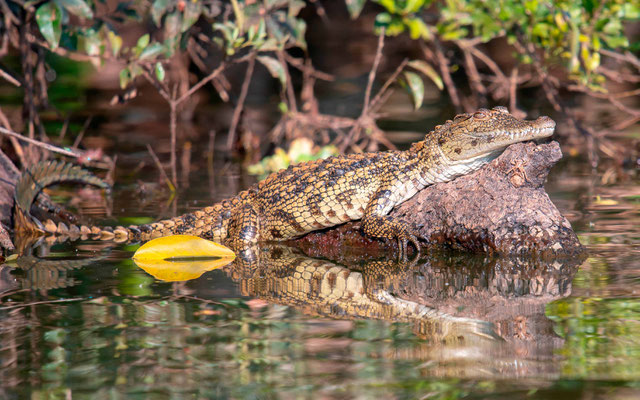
(244, 227)
(376, 223)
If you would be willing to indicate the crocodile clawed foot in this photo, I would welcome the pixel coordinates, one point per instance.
(403, 240)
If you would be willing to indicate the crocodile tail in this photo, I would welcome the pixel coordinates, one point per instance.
(210, 222)
(41, 175)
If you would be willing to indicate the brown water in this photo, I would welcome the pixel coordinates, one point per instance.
(81, 320)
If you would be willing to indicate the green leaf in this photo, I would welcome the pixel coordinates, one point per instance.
(143, 42)
(413, 6)
(159, 71)
(92, 42)
(77, 7)
(152, 50)
(355, 7)
(158, 10)
(48, 17)
(416, 88)
(390, 5)
(275, 68)
(428, 71)
(115, 41)
(177, 247)
(125, 78)
(192, 12)
(172, 25)
(418, 28)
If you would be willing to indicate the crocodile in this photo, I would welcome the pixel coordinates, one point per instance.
(281, 275)
(320, 194)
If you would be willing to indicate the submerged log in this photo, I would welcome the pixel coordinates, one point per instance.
(501, 208)
(8, 176)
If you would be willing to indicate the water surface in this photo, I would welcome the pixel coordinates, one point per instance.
(82, 320)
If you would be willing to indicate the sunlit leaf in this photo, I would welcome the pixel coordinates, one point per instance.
(158, 9)
(92, 43)
(416, 88)
(175, 271)
(152, 50)
(143, 42)
(159, 71)
(77, 7)
(275, 68)
(192, 12)
(180, 247)
(418, 28)
(48, 17)
(115, 41)
(428, 71)
(355, 7)
(413, 6)
(390, 5)
(125, 78)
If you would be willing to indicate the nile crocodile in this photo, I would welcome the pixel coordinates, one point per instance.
(324, 193)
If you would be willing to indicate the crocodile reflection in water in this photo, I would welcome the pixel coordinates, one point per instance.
(444, 301)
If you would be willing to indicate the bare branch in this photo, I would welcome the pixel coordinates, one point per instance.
(372, 73)
(38, 143)
(231, 137)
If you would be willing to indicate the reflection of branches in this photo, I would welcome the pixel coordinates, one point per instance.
(34, 303)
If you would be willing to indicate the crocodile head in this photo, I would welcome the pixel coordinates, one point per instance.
(484, 134)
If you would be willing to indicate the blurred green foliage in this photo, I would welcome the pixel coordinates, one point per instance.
(571, 33)
(300, 150)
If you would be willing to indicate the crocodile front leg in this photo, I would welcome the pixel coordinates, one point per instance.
(244, 227)
(376, 223)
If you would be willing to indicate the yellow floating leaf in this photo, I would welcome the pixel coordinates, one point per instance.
(175, 271)
(605, 202)
(181, 247)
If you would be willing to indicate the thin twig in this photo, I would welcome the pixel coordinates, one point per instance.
(372, 72)
(377, 100)
(627, 56)
(513, 85)
(156, 160)
(173, 111)
(202, 82)
(38, 143)
(9, 78)
(290, 93)
(302, 66)
(76, 142)
(477, 87)
(237, 112)
(445, 72)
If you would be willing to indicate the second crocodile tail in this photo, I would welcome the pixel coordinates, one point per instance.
(41, 175)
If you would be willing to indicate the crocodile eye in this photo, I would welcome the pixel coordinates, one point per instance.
(481, 114)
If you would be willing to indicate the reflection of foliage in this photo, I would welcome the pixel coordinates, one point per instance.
(597, 331)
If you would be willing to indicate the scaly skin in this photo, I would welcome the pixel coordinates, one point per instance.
(319, 287)
(324, 193)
